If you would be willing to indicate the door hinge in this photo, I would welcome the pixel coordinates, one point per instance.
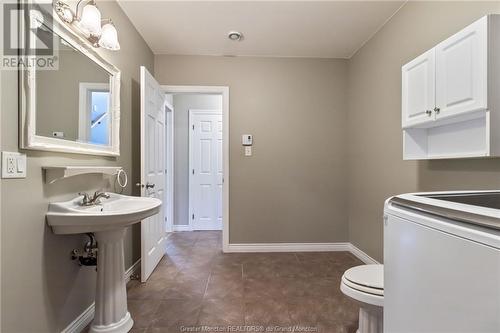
(193, 171)
(192, 217)
(193, 127)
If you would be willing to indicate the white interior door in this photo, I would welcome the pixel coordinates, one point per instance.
(461, 71)
(418, 95)
(153, 233)
(206, 177)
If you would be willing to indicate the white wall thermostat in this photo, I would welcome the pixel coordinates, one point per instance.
(247, 139)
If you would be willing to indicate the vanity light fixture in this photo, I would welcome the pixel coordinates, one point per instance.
(88, 22)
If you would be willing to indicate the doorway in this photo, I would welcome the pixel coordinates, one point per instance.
(201, 158)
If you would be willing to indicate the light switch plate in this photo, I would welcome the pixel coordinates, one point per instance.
(248, 150)
(13, 165)
(247, 139)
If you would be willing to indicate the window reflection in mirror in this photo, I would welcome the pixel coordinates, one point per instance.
(73, 102)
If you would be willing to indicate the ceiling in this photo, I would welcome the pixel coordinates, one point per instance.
(324, 29)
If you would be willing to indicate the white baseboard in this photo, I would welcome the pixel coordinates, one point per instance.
(85, 318)
(362, 255)
(82, 321)
(134, 269)
(181, 227)
(302, 247)
(288, 247)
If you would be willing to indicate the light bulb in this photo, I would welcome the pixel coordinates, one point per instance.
(109, 37)
(90, 22)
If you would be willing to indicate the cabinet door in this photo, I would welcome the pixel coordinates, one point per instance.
(461, 71)
(418, 95)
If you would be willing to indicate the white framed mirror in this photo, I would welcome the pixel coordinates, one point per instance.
(73, 107)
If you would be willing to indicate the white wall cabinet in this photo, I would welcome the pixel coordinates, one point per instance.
(462, 71)
(419, 90)
(450, 99)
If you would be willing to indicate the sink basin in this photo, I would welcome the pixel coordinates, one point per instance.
(69, 217)
(108, 222)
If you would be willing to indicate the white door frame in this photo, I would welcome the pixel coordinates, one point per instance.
(224, 91)
(191, 166)
(169, 163)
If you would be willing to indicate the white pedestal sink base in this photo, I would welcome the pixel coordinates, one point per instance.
(111, 314)
(122, 326)
(108, 222)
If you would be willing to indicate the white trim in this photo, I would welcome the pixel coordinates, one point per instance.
(134, 269)
(191, 113)
(289, 247)
(183, 227)
(169, 146)
(224, 91)
(361, 255)
(302, 247)
(85, 318)
(82, 321)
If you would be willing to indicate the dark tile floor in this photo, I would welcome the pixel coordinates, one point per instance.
(197, 285)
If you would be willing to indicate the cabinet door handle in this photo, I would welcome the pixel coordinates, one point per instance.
(436, 109)
(428, 112)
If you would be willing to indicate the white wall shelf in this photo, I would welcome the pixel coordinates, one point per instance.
(450, 100)
(55, 173)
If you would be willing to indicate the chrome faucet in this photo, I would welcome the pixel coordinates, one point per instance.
(88, 200)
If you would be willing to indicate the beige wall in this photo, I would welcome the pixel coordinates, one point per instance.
(182, 104)
(293, 188)
(42, 289)
(376, 168)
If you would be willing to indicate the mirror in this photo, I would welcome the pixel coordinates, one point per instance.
(73, 101)
(73, 107)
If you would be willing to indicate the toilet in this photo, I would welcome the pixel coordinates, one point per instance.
(365, 284)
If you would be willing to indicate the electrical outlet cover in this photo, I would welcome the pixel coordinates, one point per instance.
(13, 165)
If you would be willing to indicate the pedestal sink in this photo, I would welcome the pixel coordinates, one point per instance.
(107, 221)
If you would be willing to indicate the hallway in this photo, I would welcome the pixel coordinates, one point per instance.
(197, 285)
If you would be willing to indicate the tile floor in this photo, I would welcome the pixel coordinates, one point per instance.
(197, 285)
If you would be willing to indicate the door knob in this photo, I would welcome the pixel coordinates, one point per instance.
(428, 112)
(139, 185)
(436, 109)
(150, 185)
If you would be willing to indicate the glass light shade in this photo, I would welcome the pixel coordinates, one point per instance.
(109, 37)
(66, 14)
(90, 22)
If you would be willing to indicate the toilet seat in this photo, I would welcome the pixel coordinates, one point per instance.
(363, 288)
(370, 276)
(364, 283)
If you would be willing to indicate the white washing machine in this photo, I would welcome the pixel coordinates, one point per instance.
(442, 262)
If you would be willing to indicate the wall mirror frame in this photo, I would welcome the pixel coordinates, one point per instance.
(28, 137)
